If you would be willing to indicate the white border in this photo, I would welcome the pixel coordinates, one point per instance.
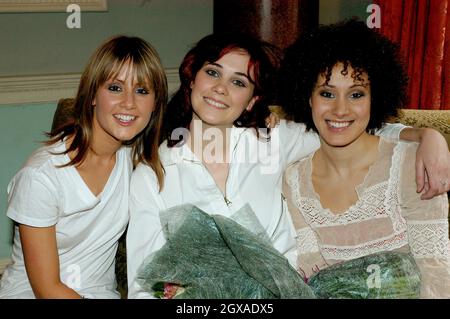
(51, 5)
(51, 88)
(3, 263)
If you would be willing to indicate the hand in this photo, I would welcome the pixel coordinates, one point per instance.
(272, 120)
(432, 165)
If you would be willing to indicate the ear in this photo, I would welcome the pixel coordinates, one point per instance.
(310, 104)
(251, 103)
(191, 85)
(94, 102)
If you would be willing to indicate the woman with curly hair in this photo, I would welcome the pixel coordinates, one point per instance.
(356, 194)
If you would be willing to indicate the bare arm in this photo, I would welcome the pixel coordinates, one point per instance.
(432, 161)
(42, 263)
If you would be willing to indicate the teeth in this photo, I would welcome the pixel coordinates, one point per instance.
(216, 104)
(124, 118)
(339, 124)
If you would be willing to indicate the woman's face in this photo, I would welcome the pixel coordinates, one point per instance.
(341, 108)
(122, 107)
(222, 90)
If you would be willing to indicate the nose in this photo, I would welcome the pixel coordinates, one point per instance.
(220, 88)
(341, 107)
(128, 101)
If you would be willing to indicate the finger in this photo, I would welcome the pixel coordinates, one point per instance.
(420, 175)
(274, 120)
(434, 183)
(427, 193)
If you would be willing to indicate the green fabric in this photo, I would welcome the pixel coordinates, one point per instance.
(216, 257)
(384, 275)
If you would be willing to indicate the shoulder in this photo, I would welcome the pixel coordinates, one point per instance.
(170, 155)
(143, 176)
(46, 157)
(41, 165)
(298, 165)
(289, 128)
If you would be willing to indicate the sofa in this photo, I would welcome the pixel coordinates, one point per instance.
(439, 120)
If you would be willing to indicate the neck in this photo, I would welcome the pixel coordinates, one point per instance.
(103, 149)
(210, 143)
(345, 160)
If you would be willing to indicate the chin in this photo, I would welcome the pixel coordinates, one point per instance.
(123, 137)
(213, 121)
(337, 142)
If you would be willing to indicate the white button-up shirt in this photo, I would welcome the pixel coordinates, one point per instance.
(255, 178)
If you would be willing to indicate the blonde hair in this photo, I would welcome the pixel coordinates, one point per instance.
(106, 62)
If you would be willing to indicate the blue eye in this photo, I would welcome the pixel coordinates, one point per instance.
(239, 83)
(212, 73)
(326, 94)
(114, 88)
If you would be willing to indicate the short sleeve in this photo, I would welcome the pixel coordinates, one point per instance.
(32, 199)
(391, 131)
(427, 224)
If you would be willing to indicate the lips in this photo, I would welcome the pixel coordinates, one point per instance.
(215, 103)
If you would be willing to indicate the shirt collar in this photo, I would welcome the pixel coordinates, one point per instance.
(177, 154)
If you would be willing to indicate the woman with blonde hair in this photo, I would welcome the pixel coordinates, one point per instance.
(70, 200)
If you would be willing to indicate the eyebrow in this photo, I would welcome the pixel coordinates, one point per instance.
(353, 86)
(123, 82)
(116, 80)
(237, 73)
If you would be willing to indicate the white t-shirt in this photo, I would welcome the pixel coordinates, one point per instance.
(255, 177)
(87, 227)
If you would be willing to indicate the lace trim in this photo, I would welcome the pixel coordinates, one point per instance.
(369, 206)
(307, 241)
(377, 201)
(292, 181)
(391, 200)
(429, 239)
(352, 252)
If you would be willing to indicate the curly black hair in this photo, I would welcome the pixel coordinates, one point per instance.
(264, 59)
(354, 45)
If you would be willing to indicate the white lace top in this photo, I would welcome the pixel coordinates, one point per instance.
(388, 215)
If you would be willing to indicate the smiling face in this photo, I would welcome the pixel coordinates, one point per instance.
(122, 107)
(341, 107)
(222, 90)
